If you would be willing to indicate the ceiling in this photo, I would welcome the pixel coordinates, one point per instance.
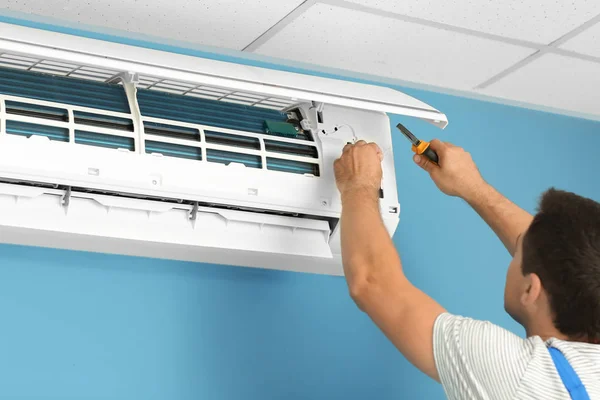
(545, 54)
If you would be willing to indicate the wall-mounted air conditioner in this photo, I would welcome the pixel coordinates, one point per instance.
(113, 148)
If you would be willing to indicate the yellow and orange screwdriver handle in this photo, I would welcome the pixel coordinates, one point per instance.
(419, 147)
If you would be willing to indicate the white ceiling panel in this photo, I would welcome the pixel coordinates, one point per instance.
(361, 42)
(587, 42)
(554, 81)
(539, 21)
(224, 23)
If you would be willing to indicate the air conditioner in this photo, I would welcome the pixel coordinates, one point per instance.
(112, 148)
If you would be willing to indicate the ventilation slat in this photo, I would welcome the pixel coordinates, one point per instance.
(4, 64)
(21, 58)
(171, 131)
(234, 101)
(228, 157)
(98, 70)
(291, 148)
(26, 129)
(174, 150)
(90, 78)
(255, 97)
(227, 139)
(103, 121)
(103, 140)
(290, 166)
(46, 69)
(206, 92)
(37, 111)
(15, 63)
(202, 96)
(215, 89)
(59, 64)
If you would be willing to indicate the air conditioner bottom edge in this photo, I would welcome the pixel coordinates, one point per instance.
(169, 251)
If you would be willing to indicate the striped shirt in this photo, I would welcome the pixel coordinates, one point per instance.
(479, 360)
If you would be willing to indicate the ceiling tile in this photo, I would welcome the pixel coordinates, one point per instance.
(553, 81)
(222, 23)
(352, 40)
(587, 42)
(538, 21)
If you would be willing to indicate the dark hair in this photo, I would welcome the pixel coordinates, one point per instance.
(562, 246)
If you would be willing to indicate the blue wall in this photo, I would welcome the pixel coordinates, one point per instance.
(80, 325)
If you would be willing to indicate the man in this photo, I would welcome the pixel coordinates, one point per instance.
(552, 286)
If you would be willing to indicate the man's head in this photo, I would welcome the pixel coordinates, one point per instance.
(554, 278)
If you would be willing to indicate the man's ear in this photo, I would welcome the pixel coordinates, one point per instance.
(533, 289)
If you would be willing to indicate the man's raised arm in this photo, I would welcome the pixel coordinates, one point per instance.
(457, 175)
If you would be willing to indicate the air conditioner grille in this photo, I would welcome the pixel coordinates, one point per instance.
(35, 85)
(227, 127)
(206, 112)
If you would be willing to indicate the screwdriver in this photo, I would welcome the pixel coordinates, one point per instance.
(419, 147)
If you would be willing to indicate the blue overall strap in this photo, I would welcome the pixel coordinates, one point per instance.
(568, 375)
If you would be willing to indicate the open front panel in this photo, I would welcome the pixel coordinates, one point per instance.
(189, 75)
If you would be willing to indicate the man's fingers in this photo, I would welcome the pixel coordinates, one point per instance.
(380, 153)
(424, 163)
(437, 145)
(360, 143)
(347, 147)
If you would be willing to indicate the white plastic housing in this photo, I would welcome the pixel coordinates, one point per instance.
(133, 203)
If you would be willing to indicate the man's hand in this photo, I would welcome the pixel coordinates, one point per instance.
(457, 174)
(359, 168)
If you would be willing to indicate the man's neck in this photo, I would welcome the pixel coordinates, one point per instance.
(545, 331)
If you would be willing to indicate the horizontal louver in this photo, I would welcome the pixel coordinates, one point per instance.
(291, 148)
(102, 140)
(228, 157)
(294, 167)
(171, 131)
(26, 129)
(37, 111)
(103, 121)
(174, 150)
(226, 139)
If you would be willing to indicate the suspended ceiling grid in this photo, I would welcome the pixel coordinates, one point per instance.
(541, 53)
